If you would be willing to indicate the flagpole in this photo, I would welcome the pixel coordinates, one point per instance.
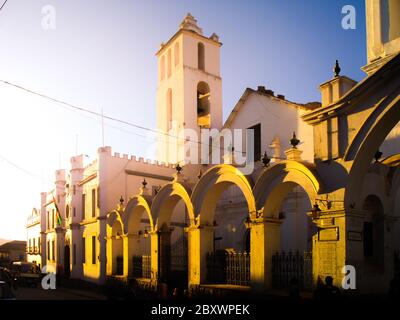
(102, 126)
(76, 144)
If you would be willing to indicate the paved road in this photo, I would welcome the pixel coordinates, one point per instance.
(23, 293)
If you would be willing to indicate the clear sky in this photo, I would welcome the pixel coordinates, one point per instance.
(101, 55)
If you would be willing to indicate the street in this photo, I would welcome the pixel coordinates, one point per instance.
(25, 293)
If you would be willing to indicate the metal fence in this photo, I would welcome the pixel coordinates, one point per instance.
(290, 268)
(141, 266)
(396, 266)
(228, 268)
(119, 265)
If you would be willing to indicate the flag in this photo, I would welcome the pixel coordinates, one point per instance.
(58, 214)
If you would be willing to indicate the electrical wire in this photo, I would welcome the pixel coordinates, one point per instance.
(71, 106)
(4, 3)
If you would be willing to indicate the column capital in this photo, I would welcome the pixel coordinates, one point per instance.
(130, 236)
(265, 220)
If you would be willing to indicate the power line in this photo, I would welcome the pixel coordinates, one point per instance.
(4, 3)
(102, 116)
(13, 164)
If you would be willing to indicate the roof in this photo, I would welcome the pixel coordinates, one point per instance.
(13, 245)
(269, 94)
(358, 91)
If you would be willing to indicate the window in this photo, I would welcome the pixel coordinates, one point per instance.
(34, 243)
(29, 245)
(162, 68)
(53, 218)
(257, 141)
(83, 250)
(53, 250)
(203, 105)
(48, 220)
(93, 203)
(200, 56)
(74, 189)
(169, 71)
(39, 245)
(93, 250)
(48, 250)
(169, 109)
(74, 254)
(83, 206)
(67, 211)
(58, 199)
(74, 211)
(176, 53)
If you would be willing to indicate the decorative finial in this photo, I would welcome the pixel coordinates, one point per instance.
(157, 189)
(144, 183)
(200, 174)
(294, 141)
(265, 159)
(378, 155)
(336, 69)
(121, 201)
(315, 210)
(178, 168)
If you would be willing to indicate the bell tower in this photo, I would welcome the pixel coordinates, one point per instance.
(383, 32)
(189, 91)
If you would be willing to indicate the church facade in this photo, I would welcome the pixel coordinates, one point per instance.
(320, 196)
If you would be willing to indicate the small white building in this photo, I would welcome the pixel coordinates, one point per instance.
(76, 245)
(34, 238)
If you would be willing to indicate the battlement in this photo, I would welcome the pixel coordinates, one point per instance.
(76, 162)
(60, 175)
(141, 160)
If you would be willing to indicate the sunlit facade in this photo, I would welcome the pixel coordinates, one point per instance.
(321, 202)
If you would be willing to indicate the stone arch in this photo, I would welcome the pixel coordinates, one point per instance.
(374, 230)
(209, 189)
(134, 210)
(112, 218)
(166, 200)
(115, 243)
(276, 182)
(395, 192)
(367, 141)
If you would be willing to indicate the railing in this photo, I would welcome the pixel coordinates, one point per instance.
(292, 267)
(396, 266)
(142, 266)
(120, 265)
(228, 268)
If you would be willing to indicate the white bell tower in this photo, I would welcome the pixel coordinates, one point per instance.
(189, 92)
(383, 32)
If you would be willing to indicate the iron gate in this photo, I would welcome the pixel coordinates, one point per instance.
(288, 267)
(141, 266)
(396, 267)
(120, 265)
(228, 268)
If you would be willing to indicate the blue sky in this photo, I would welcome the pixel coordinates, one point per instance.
(102, 56)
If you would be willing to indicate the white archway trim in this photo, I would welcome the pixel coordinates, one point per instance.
(276, 181)
(165, 201)
(136, 206)
(209, 188)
